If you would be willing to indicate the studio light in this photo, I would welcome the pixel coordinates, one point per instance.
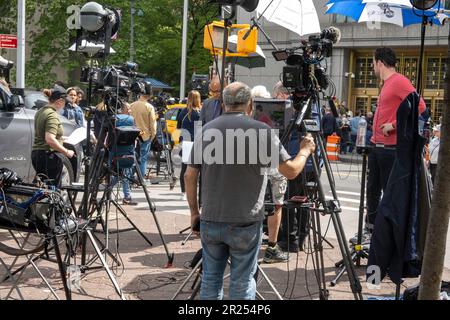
(423, 4)
(96, 19)
(6, 64)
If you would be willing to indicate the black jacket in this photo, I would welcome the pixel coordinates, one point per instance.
(396, 239)
(329, 124)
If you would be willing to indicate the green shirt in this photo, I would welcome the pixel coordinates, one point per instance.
(46, 120)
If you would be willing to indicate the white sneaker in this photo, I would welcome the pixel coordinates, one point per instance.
(183, 197)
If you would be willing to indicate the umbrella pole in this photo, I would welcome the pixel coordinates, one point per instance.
(226, 24)
(422, 52)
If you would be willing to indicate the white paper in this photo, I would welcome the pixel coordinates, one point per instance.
(77, 136)
(186, 150)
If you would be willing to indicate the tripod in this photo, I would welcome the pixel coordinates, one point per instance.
(196, 265)
(359, 251)
(321, 205)
(63, 263)
(166, 152)
(102, 171)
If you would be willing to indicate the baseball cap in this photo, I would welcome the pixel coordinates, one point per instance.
(58, 92)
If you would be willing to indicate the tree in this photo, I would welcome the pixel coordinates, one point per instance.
(157, 38)
(433, 262)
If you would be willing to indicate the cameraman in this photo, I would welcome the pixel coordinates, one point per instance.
(233, 192)
(145, 118)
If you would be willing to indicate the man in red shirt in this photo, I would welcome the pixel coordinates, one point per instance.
(396, 88)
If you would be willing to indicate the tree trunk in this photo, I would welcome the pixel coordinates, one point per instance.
(433, 262)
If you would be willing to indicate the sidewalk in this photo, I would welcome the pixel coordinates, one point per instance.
(143, 275)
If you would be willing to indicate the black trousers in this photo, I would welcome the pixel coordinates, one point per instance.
(295, 222)
(380, 165)
(49, 165)
(183, 171)
(183, 185)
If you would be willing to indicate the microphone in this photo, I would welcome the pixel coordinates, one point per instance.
(332, 33)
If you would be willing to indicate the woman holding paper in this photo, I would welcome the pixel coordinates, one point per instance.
(48, 149)
(186, 121)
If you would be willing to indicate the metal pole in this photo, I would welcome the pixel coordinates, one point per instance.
(184, 51)
(20, 75)
(132, 32)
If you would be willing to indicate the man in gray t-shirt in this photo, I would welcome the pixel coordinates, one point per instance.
(234, 153)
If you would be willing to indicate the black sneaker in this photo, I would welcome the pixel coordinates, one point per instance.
(129, 202)
(274, 255)
(365, 239)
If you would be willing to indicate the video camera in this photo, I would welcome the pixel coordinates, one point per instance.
(160, 103)
(200, 82)
(123, 77)
(304, 66)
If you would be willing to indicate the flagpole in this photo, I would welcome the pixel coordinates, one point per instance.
(184, 51)
(20, 73)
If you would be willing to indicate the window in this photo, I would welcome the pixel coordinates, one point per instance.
(410, 68)
(435, 73)
(364, 74)
(361, 104)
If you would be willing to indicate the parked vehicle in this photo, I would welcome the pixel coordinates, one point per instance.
(17, 135)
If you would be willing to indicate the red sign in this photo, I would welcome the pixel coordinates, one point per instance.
(8, 41)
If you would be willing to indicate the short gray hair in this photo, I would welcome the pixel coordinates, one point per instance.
(237, 94)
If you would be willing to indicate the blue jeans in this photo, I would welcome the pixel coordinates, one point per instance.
(127, 173)
(144, 148)
(240, 243)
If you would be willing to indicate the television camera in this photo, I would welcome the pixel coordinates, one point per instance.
(124, 77)
(304, 68)
(200, 82)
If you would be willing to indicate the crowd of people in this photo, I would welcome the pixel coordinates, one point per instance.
(228, 200)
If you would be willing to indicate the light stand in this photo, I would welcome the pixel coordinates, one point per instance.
(359, 251)
(422, 5)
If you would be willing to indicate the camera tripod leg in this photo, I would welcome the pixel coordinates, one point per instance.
(341, 271)
(184, 230)
(342, 241)
(196, 290)
(125, 215)
(62, 268)
(318, 252)
(269, 282)
(105, 265)
(30, 261)
(10, 276)
(170, 256)
(194, 270)
(187, 238)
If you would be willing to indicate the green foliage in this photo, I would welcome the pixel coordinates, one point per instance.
(157, 38)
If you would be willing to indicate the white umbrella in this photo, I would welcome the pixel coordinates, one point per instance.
(299, 16)
(90, 48)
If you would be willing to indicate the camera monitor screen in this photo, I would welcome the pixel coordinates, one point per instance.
(275, 113)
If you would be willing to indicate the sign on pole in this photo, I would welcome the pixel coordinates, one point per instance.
(8, 41)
